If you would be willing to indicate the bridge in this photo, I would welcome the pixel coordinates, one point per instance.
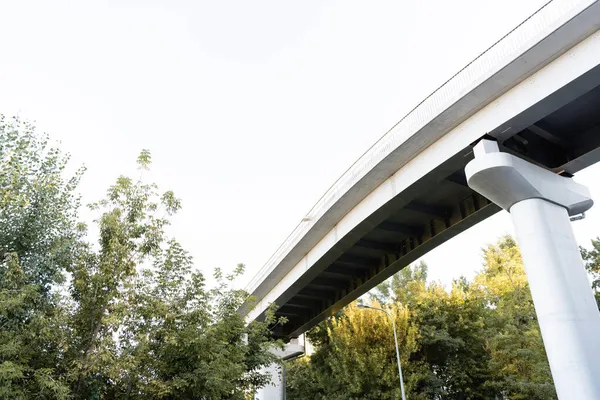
(524, 117)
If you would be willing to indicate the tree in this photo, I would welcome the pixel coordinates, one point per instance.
(146, 325)
(38, 205)
(442, 341)
(32, 339)
(518, 358)
(475, 340)
(359, 359)
(38, 241)
(404, 286)
(134, 319)
(451, 344)
(592, 264)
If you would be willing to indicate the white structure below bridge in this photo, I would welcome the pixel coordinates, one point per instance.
(541, 203)
(534, 99)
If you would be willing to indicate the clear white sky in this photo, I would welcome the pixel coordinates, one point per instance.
(251, 109)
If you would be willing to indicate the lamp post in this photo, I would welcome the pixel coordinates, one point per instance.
(397, 349)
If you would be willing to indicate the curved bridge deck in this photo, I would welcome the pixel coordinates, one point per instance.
(536, 92)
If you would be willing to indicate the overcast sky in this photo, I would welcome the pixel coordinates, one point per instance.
(251, 109)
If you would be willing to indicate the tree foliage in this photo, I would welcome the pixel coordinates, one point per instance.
(128, 317)
(519, 364)
(477, 340)
(38, 236)
(591, 257)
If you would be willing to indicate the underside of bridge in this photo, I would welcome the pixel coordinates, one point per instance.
(402, 231)
(561, 133)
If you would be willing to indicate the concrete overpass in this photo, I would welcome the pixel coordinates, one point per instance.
(536, 92)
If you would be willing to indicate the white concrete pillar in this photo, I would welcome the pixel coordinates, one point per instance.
(276, 390)
(540, 203)
(565, 306)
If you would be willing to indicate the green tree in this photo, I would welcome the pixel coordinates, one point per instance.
(32, 339)
(38, 205)
(134, 319)
(451, 361)
(451, 344)
(518, 359)
(38, 242)
(146, 325)
(592, 264)
(403, 287)
(358, 361)
(477, 340)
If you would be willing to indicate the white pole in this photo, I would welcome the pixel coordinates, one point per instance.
(397, 356)
(564, 304)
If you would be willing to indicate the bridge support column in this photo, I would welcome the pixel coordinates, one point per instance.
(540, 203)
(276, 390)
